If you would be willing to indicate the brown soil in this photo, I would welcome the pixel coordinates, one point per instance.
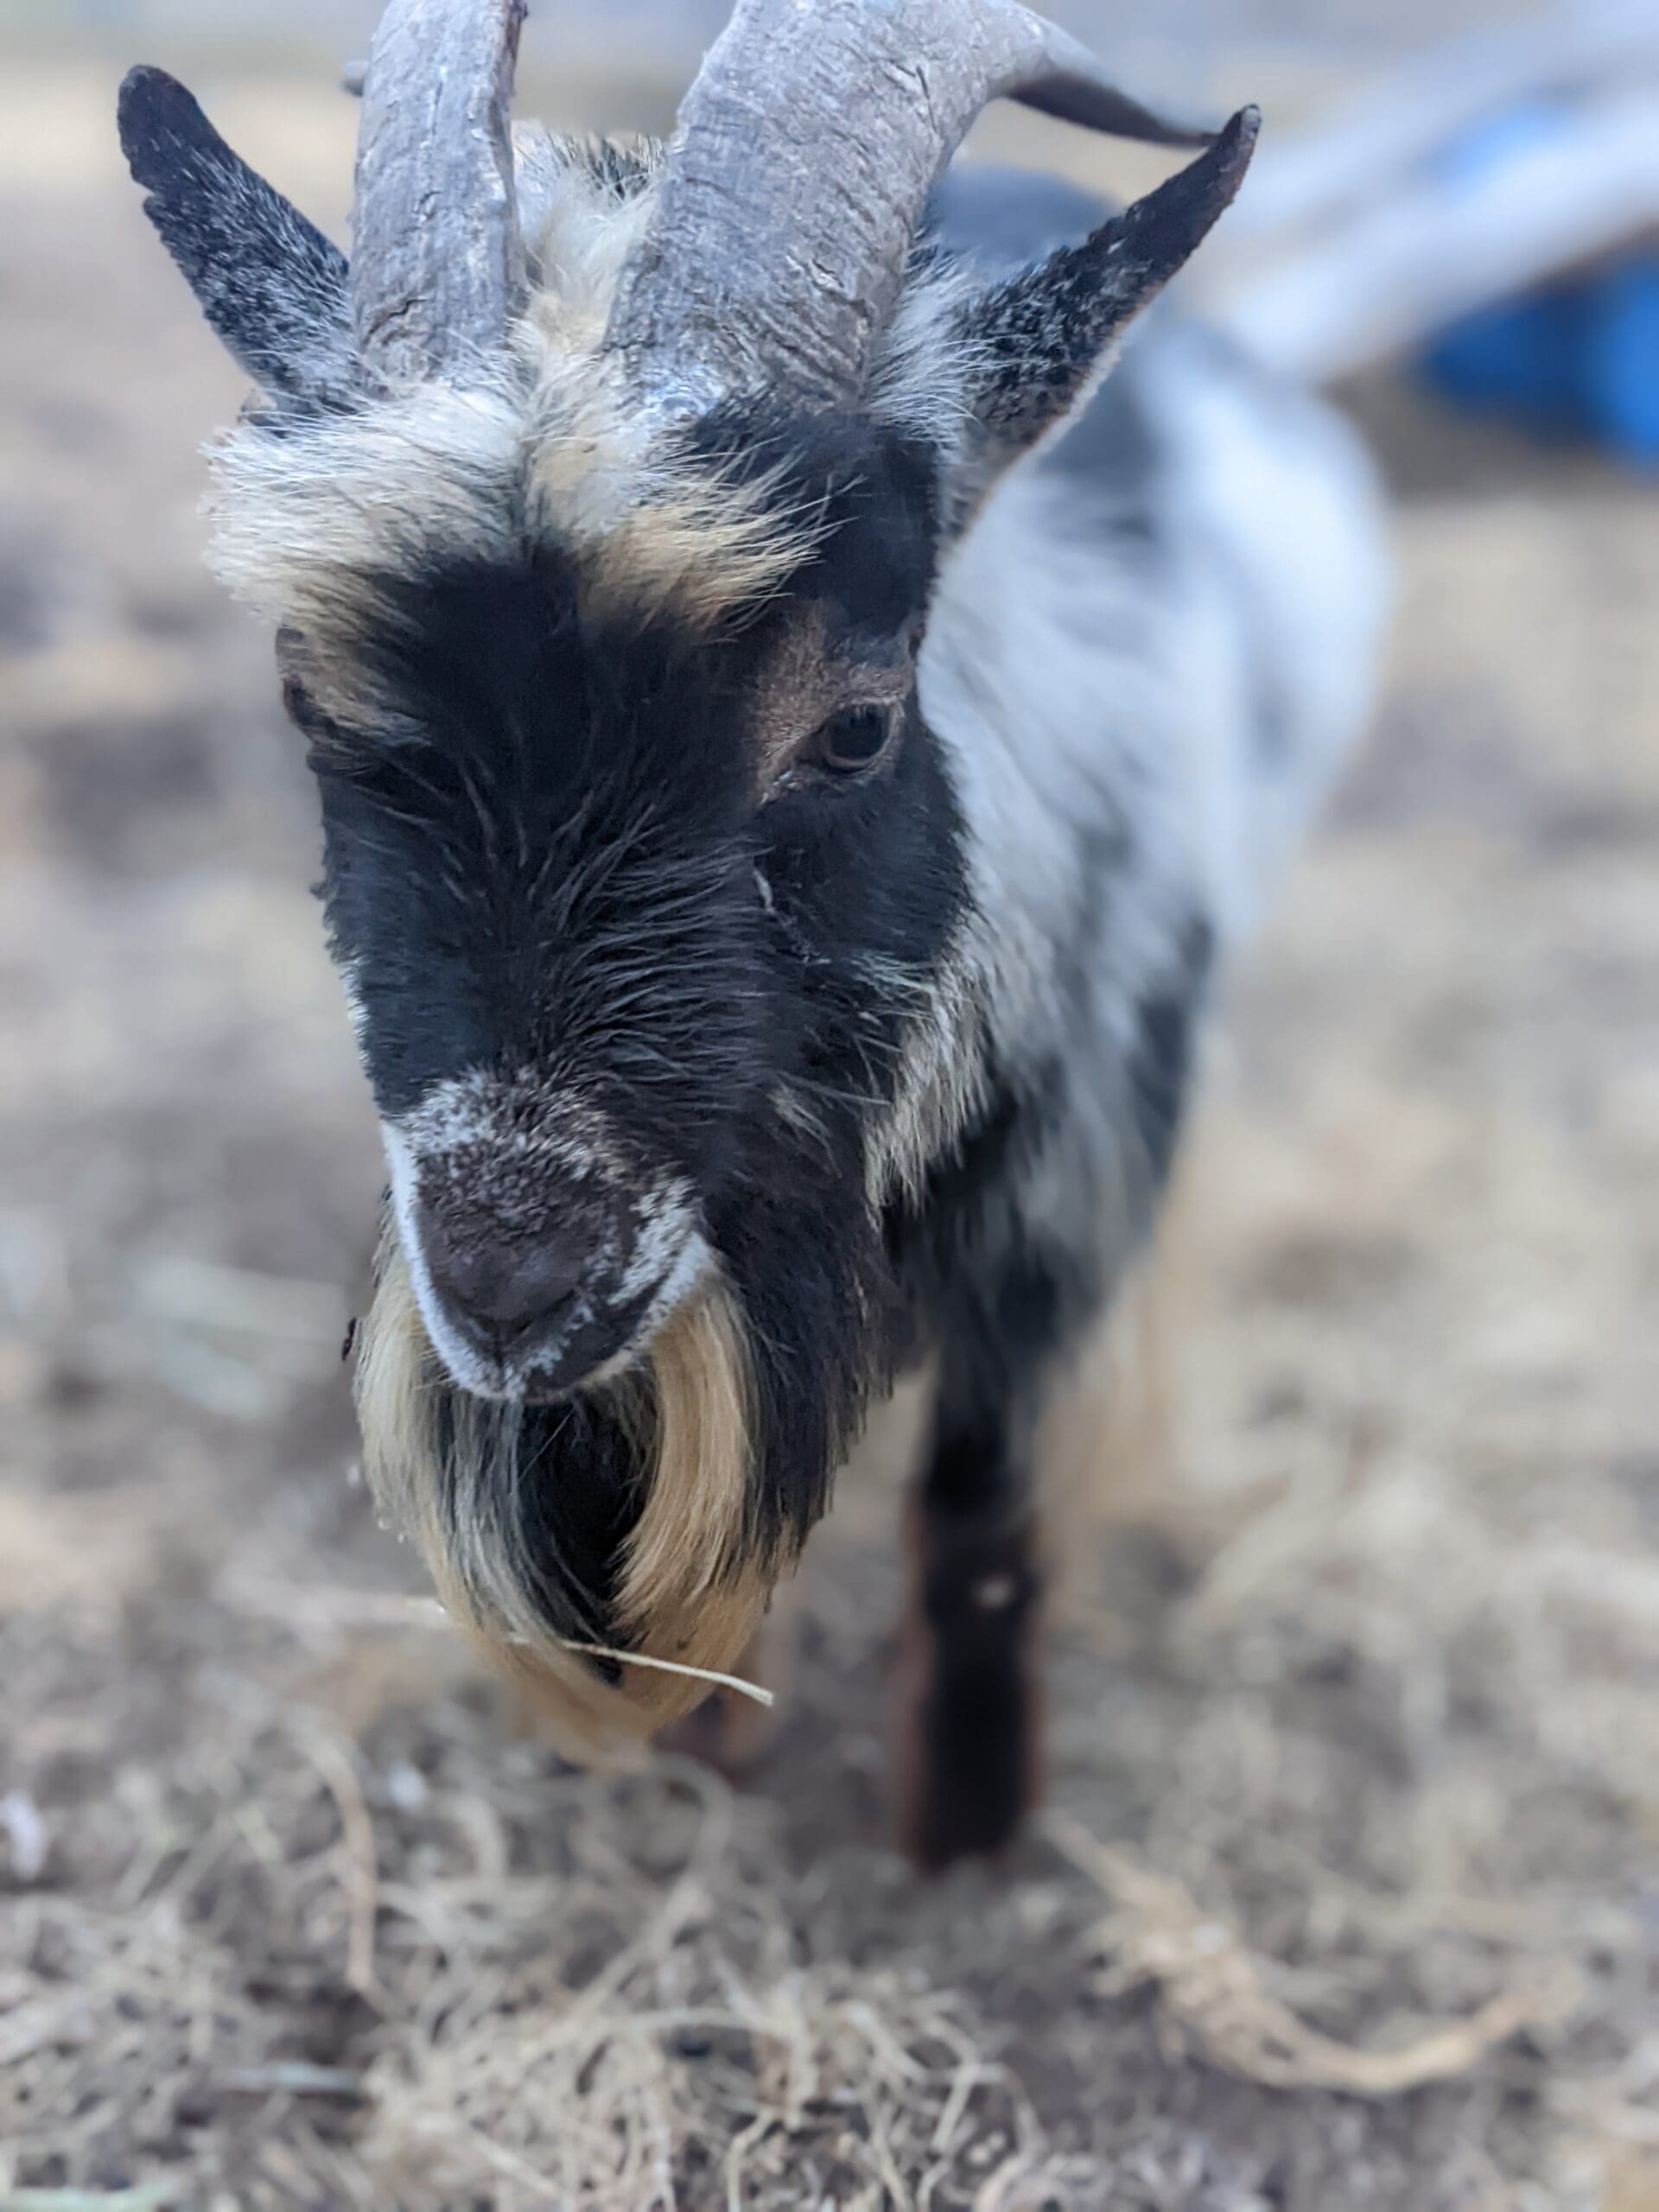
(1350, 1897)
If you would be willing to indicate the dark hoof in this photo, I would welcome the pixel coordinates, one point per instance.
(970, 1786)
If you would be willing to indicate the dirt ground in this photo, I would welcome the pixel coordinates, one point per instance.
(1349, 1897)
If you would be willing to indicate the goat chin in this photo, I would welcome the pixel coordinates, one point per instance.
(691, 1590)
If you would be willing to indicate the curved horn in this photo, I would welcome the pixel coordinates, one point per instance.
(437, 262)
(804, 153)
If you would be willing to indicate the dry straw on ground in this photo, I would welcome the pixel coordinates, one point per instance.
(1349, 1901)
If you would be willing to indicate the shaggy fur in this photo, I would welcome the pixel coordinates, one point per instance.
(779, 858)
(689, 1588)
(542, 447)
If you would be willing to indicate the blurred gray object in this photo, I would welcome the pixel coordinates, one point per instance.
(1355, 241)
(1365, 235)
(682, 27)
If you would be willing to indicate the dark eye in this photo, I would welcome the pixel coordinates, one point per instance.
(855, 740)
(296, 705)
(306, 713)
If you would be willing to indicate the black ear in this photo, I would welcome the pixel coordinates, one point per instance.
(1041, 338)
(276, 291)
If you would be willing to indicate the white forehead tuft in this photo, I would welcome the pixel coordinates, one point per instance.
(544, 445)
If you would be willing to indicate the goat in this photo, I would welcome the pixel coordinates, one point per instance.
(793, 746)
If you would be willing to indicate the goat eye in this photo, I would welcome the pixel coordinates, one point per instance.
(302, 710)
(855, 740)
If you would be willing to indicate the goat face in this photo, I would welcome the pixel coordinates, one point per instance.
(632, 910)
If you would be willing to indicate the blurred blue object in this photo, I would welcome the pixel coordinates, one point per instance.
(1578, 358)
(1622, 356)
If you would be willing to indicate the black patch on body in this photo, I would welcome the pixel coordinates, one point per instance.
(980, 1283)
(1161, 1064)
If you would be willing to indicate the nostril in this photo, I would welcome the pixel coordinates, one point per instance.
(504, 1293)
(539, 1284)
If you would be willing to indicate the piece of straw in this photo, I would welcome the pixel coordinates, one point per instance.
(671, 1667)
(429, 1609)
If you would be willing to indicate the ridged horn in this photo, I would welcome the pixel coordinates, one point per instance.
(437, 262)
(803, 155)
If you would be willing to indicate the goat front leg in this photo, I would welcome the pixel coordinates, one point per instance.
(972, 1691)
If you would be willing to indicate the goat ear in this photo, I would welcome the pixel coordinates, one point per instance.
(1040, 340)
(277, 291)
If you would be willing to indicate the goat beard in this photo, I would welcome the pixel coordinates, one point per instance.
(693, 1583)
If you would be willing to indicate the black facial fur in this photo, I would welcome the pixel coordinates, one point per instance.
(874, 495)
(551, 856)
(548, 867)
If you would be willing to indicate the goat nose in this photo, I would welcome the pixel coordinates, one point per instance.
(502, 1294)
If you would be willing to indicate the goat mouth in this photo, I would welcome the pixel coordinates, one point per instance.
(595, 1355)
(600, 1344)
(594, 1352)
